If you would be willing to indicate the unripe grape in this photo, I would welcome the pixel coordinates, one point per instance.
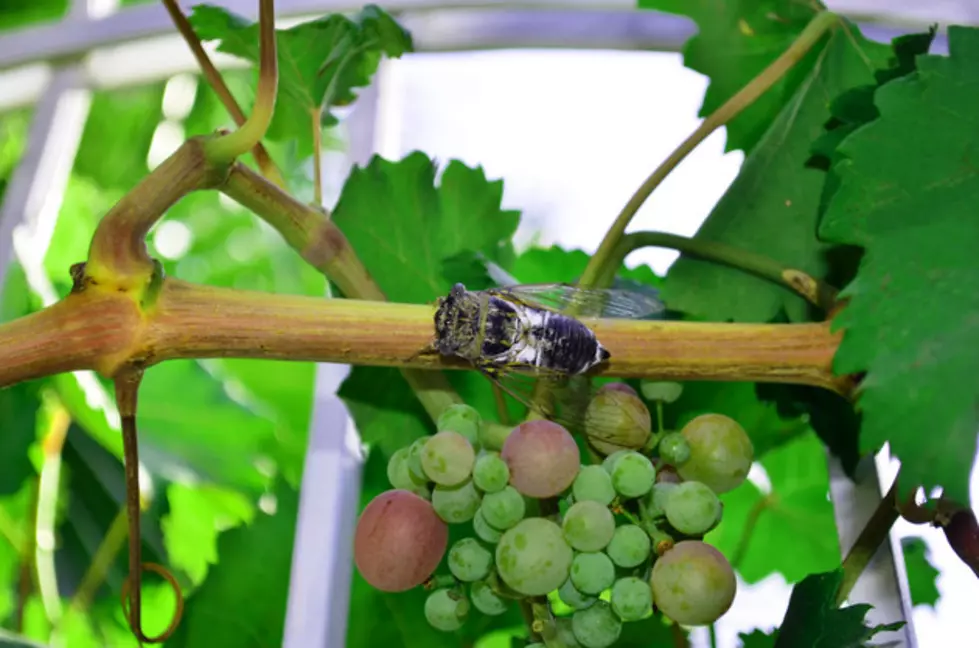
(674, 449)
(618, 414)
(483, 529)
(617, 386)
(448, 458)
(692, 508)
(631, 599)
(592, 572)
(653, 506)
(415, 460)
(469, 561)
(543, 458)
(693, 583)
(629, 547)
(456, 504)
(486, 600)
(667, 475)
(445, 610)
(460, 418)
(609, 462)
(533, 557)
(720, 452)
(574, 598)
(399, 541)
(632, 475)
(491, 474)
(596, 627)
(588, 526)
(593, 484)
(663, 391)
(503, 509)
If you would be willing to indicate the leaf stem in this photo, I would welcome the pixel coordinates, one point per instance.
(46, 515)
(317, 153)
(813, 290)
(214, 79)
(874, 534)
(749, 530)
(226, 148)
(813, 32)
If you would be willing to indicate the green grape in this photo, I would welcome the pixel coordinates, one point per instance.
(573, 598)
(448, 459)
(720, 452)
(445, 610)
(653, 506)
(486, 600)
(456, 504)
(588, 526)
(693, 583)
(592, 573)
(618, 386)
(533, 558)
(398, 475)
(633, 475)
(674, 449)
(491, 473)
(692, 508)
(596, 627)
(663, 391)
(415, 460)
(609, 462)
(629, 546)
(618, 416)
(536, 644)
(631, 598)
(593, 484)
(565, 632)
(503, 509)
(483, 529)
(470, 561)
(460, 418)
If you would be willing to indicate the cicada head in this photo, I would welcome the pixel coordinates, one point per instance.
(456, 321)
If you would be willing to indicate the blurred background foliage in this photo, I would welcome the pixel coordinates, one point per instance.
(223, 441)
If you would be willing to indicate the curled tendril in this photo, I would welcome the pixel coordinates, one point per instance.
(133, 583)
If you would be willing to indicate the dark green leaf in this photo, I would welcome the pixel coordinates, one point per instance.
(757, 639)
(735, 42)
(321, 62)
(242, 603)
(922, 574)
(814, 621)
(16, 529)
(772, 207)
(907, 195)
(19, 13)
(18, 417)
(792, 529)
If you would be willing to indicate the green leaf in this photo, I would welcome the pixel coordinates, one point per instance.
(197, 515)
(922, 574)
(18, 430)
(907, 195)
(772, 206)
(734, 43)
(757, 639)
(404, 226)
(321, 62)
(814, 621)
(16, 529)
(242, 603)
(792, 529)
(19, 13)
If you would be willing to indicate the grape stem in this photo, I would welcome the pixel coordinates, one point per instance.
(749, 529)
(874, 534)
(814, 31)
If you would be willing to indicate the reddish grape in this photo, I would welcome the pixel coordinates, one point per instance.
(720, 452)
(617, 386)
(543, 458)
(693, 583)
(399, 541)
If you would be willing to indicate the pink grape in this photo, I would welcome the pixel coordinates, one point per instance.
(693, 583)
(543, 458)
(399, 541)
(617, 386)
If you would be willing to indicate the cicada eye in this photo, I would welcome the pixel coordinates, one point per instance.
(458, 290)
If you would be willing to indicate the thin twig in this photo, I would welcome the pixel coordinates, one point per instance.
(317, 153)
(874, 534)
(214, 79)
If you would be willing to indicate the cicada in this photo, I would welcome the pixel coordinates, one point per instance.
(532, 331)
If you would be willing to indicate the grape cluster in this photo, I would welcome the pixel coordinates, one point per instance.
(606, 542)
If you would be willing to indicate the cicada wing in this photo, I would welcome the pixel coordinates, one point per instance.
(584, 302)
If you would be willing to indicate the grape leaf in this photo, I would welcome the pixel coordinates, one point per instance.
(19, 404)
(792, 529)
(813, 620)
(736, 41)
(922, 574)
(757, 639)
(242, 602)
(917, 226)
(321, 62)
(772, 206)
